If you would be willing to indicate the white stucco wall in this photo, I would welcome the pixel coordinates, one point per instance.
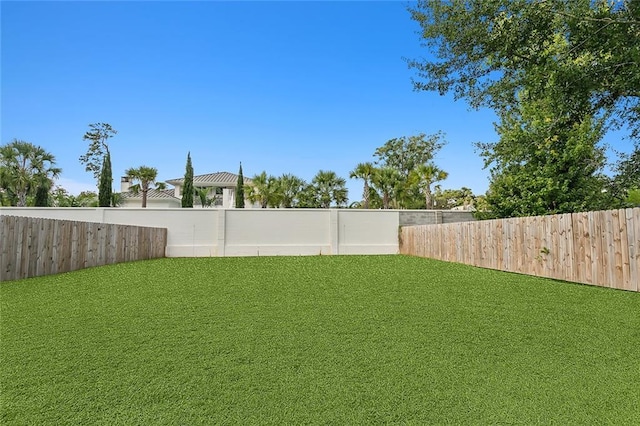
(266, 232)
(249, 232)
(368, 231)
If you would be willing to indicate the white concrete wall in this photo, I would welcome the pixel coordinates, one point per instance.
(268, 232)
(368, 231)
(249, 232)
(190, 232)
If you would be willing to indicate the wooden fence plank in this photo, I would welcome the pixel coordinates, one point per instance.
(568, 264)
(579, 253)
(633, 237)
(617, 274)
(7, 236)
(625, 261)
(596, 249)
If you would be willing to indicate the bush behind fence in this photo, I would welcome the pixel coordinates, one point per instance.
(35, 246)
(599, 248)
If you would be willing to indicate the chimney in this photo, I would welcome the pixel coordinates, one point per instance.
(125, 184)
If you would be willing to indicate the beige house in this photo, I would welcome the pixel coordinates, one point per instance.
(221, 185)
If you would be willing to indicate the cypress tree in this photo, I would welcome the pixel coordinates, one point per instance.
(104, 187)
(240, 190)
(187, 189)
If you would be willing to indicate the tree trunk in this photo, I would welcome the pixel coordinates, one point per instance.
(22, 199)
(365, 195)
(427, 198)
(144, 198)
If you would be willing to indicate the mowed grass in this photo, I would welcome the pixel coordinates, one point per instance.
(315, 340)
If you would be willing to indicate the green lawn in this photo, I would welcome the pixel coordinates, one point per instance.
(320, 340)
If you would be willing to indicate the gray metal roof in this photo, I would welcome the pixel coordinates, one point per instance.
(222, 179)
(153, 193)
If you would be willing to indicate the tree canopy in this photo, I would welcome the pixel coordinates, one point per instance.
(146, 177)
(408, 152)
(264, 190)
(386, 180)
(98, 135)
(290, 187)
(396, 179)
(489, 51)
(327, 188)
(424, 176)
(557, 73)
(25, 168)
(365, 172)
(626, 184)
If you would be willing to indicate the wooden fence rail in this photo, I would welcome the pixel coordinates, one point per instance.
(599, 248)
(31, 247)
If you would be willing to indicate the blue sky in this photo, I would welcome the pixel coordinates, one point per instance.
(286, 87)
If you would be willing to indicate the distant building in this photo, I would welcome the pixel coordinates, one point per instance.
(221, 185)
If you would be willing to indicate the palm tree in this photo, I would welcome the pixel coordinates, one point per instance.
(24, 167)
(290, 187)
(147, 177)
(203, 195)
(386, 181)
(116, 199)
(426, 175)
(365, 172)
(329, 187)
(263, 190)
(466, 197)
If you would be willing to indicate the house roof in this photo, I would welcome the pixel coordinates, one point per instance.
(225, 179)
(153, 193)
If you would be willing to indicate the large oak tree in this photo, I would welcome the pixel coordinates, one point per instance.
(558, 74)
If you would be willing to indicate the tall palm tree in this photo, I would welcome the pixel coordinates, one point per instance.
(329, 187)
(426, 175)
(146, 176)
(290, 187)
(24, 167)
(386, 181)
(365, 172)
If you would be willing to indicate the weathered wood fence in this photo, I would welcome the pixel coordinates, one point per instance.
(600, 248)
(31, 247)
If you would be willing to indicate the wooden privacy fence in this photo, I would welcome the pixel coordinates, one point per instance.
(599, 248)
(32, 247)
